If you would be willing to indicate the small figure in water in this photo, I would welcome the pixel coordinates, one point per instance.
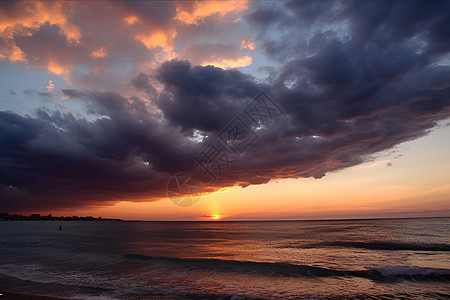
(60, 227)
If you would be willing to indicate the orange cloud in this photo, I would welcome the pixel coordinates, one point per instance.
(24, 18)
(99, 53)
(158, 39)
(16, 54)
(247, 44)
(220, 55)
(51, 86)
(230, 63)
(57, 69)
(203, 9)
(131, 20)
(33, 14)
(43, 34)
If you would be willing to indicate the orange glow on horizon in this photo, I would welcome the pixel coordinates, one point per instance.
(216, 217)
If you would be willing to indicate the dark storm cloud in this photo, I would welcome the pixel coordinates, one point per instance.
(203, 98)
(56, 160)
(356, 78)
(369, 22)
(142, 83)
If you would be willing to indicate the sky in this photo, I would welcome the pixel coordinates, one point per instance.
(214, 110)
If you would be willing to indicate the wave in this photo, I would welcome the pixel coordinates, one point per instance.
(389, 246)
(286, 269)
(405, 271)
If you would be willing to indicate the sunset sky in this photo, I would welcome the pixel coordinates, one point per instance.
(102, 103)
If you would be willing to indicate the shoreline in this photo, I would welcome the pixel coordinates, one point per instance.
(12, 288)
(19, 296)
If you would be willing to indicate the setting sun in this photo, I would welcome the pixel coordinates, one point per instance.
(216, 217)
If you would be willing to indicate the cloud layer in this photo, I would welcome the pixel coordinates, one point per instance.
(351, 79)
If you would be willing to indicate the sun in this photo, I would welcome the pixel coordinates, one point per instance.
(216, 217)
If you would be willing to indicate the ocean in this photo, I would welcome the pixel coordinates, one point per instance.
(338, 259)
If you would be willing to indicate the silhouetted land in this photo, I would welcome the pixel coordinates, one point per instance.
(38, 217)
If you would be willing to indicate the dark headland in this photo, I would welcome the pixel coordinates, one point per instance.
(38, 217)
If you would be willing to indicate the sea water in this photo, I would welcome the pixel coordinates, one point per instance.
(339, 259)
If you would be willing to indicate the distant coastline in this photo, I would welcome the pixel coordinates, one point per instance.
(38, 217)
(50, 217)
